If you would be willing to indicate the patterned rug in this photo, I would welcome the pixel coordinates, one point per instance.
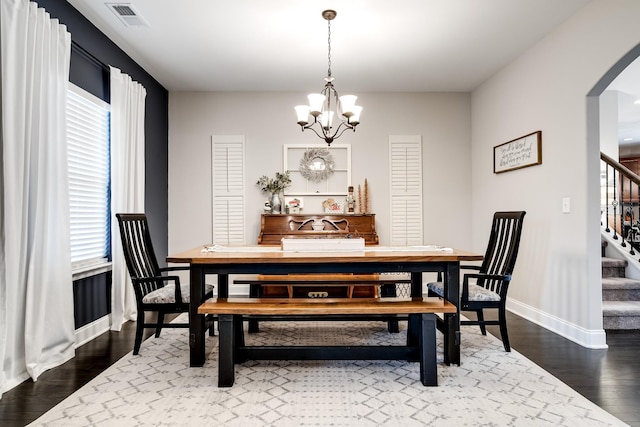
(490, 388)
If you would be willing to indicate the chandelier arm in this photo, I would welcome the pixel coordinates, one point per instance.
(313, 129)
(346, 128)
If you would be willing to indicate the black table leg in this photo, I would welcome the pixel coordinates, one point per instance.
(226, 350)
(389, 291)
(196, 321)
(255, 291)
(427, 346)
(452, 321)
(223, 286)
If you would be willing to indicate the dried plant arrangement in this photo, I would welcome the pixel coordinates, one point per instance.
(363, 198)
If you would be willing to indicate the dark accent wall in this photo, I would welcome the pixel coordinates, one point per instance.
(92, 297)
(88, 71)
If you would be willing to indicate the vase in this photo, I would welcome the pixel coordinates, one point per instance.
(275, 203)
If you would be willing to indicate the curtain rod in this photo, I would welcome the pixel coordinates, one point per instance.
(85, 53)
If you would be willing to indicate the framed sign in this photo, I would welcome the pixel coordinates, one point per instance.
(518, 153)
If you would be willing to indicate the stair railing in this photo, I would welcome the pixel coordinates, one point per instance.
(620, 203)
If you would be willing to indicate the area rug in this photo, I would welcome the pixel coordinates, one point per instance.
(489, 388)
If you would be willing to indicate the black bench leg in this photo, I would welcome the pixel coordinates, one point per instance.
(427, 346)
(226, 346)
(451, 338)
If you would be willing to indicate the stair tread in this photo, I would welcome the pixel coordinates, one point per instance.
(613, 262)
(621, 308)
(620, 283)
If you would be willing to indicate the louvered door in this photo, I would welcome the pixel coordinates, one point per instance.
(228, 189)
(405, 160)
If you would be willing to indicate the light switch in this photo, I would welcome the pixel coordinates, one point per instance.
(566, 205)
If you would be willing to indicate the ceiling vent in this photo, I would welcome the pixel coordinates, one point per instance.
(127, 14)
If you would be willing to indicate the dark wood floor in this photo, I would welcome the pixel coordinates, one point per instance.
(610, 378)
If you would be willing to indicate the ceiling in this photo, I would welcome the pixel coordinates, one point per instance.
(281, 45)
(627, 84)
(376, 45)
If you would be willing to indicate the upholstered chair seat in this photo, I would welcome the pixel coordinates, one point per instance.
(476, 293)
(167, 294)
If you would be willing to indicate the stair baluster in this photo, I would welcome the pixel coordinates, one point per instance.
(622, 212)
(631, 218)
(614, 203)
(606, 192)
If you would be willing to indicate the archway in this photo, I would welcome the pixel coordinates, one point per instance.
(593, 142)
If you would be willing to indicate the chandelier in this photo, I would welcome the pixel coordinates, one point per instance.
(332, 113)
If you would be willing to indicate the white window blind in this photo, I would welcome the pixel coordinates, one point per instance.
(405, 161)
(228, 189)
(88, 146)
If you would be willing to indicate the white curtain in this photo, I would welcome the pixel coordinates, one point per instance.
(36, 289)
(127, 182)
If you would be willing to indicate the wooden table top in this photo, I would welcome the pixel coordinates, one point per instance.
(273, 254)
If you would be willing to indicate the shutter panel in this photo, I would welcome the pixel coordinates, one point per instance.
(405, 159)
(228, 189)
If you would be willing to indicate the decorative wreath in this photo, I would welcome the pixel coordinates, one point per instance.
(313, 157)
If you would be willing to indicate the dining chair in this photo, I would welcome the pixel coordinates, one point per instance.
(154, 290)
(487, 289)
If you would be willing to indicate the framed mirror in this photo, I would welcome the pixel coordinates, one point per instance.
(318, 170)
(317, 164)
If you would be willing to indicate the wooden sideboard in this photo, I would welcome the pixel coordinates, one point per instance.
(274, 227)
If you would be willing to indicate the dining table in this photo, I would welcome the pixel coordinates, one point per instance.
(222, 261)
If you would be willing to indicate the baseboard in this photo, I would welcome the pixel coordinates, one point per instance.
(92, 330)
(594, 339)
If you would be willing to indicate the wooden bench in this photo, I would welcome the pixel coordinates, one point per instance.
(421, 334)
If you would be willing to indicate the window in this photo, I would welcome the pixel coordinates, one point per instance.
(89, 180)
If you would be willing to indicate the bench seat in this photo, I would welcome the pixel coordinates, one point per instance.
(421, 335)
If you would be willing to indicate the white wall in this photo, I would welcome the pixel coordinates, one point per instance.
(267, 120)
(557, 278)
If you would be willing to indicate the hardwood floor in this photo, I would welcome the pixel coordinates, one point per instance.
(610, 378)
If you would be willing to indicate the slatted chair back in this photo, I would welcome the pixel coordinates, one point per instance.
(138, 252)
(502, 250)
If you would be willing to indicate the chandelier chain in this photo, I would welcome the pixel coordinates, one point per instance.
(329, 49)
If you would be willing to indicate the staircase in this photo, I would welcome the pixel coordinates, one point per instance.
(620, 296)
(620, 226)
